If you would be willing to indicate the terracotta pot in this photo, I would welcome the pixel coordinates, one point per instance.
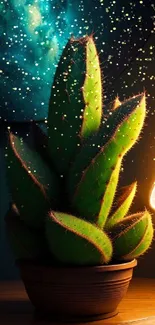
(76, 293)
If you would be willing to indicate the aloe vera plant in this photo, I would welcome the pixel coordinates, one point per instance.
(65, 187)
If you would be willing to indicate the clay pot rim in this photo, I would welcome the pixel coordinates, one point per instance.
(98, 268)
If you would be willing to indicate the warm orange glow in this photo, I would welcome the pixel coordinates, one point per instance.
(152, 197)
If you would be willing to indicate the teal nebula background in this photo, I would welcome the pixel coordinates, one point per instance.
(34, 32)
(32, 36)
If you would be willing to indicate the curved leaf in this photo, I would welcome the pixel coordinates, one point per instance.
(125, 198)
(76, 241)
(34, 187)
(75, 106)
(89, 180)
(132, 236)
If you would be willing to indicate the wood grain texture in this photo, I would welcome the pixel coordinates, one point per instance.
(137, 308)
(145, 321)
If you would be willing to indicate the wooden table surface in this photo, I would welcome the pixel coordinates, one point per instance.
(137, 308)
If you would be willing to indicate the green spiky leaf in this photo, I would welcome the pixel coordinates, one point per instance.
(125, 198)
(132, 236)
(94, 174)
(75, 241)
(34, 187)
(76, 101)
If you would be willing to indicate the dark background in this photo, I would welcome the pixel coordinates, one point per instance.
(127, 56)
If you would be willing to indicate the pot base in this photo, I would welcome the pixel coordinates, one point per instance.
(76, 294)
(39, 316)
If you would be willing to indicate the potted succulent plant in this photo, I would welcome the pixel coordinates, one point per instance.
(75, 248)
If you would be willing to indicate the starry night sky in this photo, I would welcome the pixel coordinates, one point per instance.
(32, 36)
(33, 33)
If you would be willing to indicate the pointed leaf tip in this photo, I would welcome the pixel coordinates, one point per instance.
(100, 157)
(124, 198)
(132, 236)
(116, 103)
(75, 106)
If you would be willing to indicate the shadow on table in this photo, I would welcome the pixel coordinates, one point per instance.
(22, 312)
(16, 312)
